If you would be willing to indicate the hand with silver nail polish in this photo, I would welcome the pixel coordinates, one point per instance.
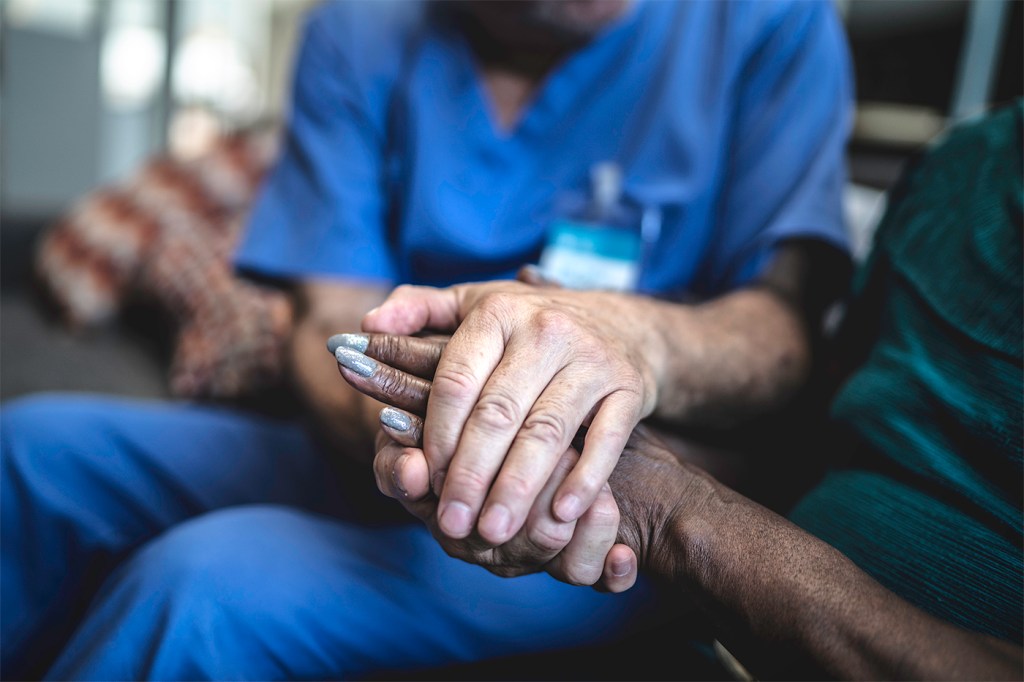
(579, 552)
(525, 367)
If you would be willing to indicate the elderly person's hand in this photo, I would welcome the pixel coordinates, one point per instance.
(525, 367)
(579, 552)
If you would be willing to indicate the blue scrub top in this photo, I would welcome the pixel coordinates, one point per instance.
(729, 117)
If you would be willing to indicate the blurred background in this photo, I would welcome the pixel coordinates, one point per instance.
(90, 90)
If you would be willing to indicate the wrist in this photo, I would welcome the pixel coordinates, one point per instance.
(669, 342)
(643, 320)
(694, 532)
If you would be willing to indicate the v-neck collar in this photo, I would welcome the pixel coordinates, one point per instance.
(556, 91)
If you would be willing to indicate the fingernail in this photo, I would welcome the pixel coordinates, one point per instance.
(395, 419)
(568, 508)
(621, 568)
(396, 478)
(496, 522)
(355, 361)
(456, 520)
(357, 342)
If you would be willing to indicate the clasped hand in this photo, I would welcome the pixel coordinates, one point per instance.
(581, 552)
(524, 368)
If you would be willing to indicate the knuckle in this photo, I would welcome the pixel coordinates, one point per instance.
(499, 300)
(496, 307)
(588, 487)
(634, 383)
(580, 573)
(628, 380)
(389, 347)
(549, 538)
(468, 480)
(619, 429)
(456, 380)
(604, 512)
(553, 324)
(515, 487)
(497, 411)
(626, 373)
(391, 383)
(617, 433)
(545, 427)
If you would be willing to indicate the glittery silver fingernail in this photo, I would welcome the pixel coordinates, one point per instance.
(357, 342)
(355, 361)
(395, 419)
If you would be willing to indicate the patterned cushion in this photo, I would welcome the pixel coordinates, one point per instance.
(165, 238)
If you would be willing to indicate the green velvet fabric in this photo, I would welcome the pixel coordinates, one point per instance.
(929, 501)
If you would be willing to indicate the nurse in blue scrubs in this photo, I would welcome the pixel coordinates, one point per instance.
(427, 145)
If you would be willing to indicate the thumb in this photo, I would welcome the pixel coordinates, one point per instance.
(411, 309)
(620, 569)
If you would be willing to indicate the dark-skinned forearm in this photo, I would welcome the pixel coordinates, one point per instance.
(788, 605)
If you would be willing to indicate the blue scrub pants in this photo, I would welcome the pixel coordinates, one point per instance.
(154, 540)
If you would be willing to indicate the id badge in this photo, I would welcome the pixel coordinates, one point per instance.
(587, 256)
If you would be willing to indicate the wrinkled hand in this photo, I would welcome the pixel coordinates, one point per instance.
(663, 501)
(526, 366)
(579, 552)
